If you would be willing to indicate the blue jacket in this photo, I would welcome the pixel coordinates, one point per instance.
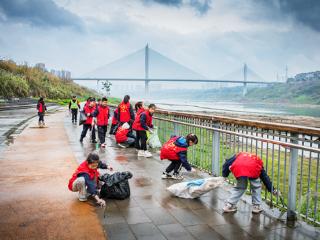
(263, 175)
(182, 142)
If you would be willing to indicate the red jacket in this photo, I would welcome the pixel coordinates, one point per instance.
(41, 107)
(87, 109)
(137, 118)
(124, 112)
(102, 115)
(138, 124)
(246, 165)
(83, 168)
(170, 151)
(121, 135)
(115, 118)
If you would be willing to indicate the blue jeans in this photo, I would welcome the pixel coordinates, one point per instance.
(241, 187)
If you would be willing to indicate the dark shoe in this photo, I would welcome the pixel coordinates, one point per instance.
(94, 141)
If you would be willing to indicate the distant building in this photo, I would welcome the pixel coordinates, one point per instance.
(310, 76)
(63, 74)
(41, 66)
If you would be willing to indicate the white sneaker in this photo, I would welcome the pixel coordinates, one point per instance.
(147, 154)
(166, 175)
(256, 209)
(177, 176)
(122, 146)
(140, 153)
(228, 207)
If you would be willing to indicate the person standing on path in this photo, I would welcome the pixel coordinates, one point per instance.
(102, 114)
(89, 109)
(141, 125)
(41, 107)
(125, 111)
(74, 105)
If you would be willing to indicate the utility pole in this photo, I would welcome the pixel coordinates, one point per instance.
(146, 71)
(245, 75)
(286, 73)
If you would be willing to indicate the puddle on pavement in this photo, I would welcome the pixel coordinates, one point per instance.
(142, 181)
(122, 159)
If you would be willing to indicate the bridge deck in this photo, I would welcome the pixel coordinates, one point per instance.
(36, 204)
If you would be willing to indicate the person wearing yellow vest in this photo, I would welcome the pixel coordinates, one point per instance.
(74, 105)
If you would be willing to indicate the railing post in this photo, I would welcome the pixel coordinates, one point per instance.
(176, 129)
(216, 151)
(293, 168)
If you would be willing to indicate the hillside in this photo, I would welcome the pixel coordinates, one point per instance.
(23, 81)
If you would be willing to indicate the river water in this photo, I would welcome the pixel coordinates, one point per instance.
(238, 107)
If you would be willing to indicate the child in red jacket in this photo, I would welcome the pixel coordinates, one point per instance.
(246, 167)
(89, 109)
(124, 136)
(85, 179)
(175, 150)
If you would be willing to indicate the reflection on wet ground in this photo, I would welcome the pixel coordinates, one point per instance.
(152, 213)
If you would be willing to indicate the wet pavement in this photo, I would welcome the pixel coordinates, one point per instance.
(35, 202)
(152, 213)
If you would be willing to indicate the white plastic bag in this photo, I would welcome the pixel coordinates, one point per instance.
(153, 139)
(195, 188)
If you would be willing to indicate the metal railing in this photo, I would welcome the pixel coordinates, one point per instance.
(290, 154)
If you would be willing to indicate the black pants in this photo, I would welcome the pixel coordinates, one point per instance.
(113, 129)
(175, 165)
(74, 113)
(102, 130)
(141, 137)
(41, 116)
(85, 130)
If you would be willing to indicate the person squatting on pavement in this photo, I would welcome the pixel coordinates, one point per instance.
(142, 124)
(175, 150)
(102, 114)
(42, 108)
(74, 105)
(246, 167)
(89, 109)
(125, 111)
(85, 179)
(124, 136)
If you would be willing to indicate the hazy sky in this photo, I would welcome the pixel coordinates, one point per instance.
(212, 37)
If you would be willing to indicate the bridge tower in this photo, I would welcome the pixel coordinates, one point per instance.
(245, 75)
(146, 71)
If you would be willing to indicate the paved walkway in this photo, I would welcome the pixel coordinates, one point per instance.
(151, 213)
(35, 202)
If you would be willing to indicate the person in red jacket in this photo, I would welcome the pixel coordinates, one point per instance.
(86, 178)
(246, 166)
(102, 114)
(125, 111)
(175, 150)
(89, 109)
(141, 125)
(41, 107)
(124, 136)
(114, 122)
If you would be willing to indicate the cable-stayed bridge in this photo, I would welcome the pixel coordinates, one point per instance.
(147, 65)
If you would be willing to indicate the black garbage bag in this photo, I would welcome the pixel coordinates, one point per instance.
(116, 186)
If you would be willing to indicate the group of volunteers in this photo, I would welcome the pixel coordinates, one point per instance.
(130, 127)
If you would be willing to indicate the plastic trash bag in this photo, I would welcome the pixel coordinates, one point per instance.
(116, 186)
(82, 118)
(195, 188)
(153, 139)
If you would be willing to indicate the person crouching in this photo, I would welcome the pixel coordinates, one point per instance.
(85, 179)
(175, 150)
(124, 136)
